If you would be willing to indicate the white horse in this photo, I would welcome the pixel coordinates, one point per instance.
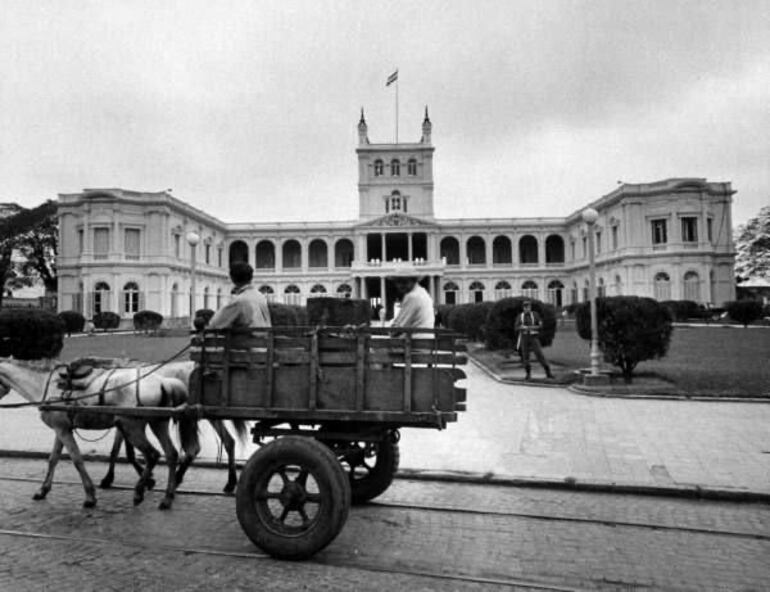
(121, 387)
(182, 370)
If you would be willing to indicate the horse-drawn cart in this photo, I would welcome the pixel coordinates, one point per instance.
(328, 405)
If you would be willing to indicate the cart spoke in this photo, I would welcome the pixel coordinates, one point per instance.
(305, 519)
(284, 476)
(268, 495)
(302, 478)
(313, 498)
(284, 514)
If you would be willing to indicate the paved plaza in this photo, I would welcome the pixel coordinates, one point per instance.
(550, 434)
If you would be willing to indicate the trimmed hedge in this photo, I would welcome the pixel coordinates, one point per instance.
(30, 334)
(202, 318)
(337, 312)
(147, 320)
(744, 311)
(442, 315)
(631, 329)
(73, 321)
(106, 320)
(502, 320)
(682, 310)
(287, 315)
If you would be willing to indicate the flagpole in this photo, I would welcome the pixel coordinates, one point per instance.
(396, 110)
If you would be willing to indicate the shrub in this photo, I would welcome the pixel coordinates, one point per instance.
(476, 320)
(681, 310)
(202, 318)
(147, 320)
(106, 320)
(287, 315)
(442, 315)
(744, 311)
(500, 332)
(631, 329)
(337, 312)
(73, 321)
(457, 318)
(30, 334)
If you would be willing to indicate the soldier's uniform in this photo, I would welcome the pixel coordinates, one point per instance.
(528, 325)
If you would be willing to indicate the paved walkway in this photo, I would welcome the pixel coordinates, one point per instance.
(514, 431)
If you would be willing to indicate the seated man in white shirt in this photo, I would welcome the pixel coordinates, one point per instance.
(416, 304)
(248, 307)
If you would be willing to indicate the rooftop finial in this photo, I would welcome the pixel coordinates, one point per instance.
(427, 119)
(363, 119)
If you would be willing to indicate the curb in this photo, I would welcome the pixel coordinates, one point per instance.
(591, 392)
(566, 484)
(516, 381)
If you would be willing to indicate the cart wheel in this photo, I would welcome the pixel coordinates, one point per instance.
(292, 498)
(370, 466)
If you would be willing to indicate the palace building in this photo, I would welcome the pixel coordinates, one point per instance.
(126, 251)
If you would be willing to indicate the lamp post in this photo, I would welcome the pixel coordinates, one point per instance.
(590, 216)
(193, 238)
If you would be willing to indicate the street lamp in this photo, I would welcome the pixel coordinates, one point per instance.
(590, 216)
(193, 238)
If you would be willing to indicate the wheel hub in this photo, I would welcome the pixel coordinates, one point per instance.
(293, 496)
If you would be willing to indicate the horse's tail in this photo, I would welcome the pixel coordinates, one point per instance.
(174, 393)
(241, 429)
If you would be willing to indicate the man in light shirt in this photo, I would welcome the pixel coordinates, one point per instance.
(248, 308)
(416, 304)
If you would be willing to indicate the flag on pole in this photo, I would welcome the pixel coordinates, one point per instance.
(392, 78)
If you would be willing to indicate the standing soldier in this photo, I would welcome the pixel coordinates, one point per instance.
(528, 325)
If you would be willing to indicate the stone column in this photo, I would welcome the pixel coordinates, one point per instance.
(410, 249)
(278, 243)
(540, 250)
(384, 254)
(463, 252)
(383, 299)
(488, 246)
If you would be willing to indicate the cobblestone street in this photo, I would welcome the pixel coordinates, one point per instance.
(418, 536)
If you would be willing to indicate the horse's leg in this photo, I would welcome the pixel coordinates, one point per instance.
(133, 430)
(229, 445)
(160, 429)
(187, 459)
(106, 482)
(68, 439)
(131, 457)
(52, 461)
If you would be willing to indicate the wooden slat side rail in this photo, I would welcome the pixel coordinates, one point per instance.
(314, 371)
(407, 373)
(270, 370)
(338, 358)
(361, 361)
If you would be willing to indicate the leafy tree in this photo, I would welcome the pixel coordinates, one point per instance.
(752, 246)
(631, 329)
(33, 233)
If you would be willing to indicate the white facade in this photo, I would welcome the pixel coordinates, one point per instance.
(126, 251)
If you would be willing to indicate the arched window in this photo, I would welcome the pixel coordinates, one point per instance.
(219, 298)
(450, 293)
(344, 291)
(131, 298)
(206, 294)
(175, 301)
(318, 253)
(502, 290)
(601, 289)
(292, 254)
(502, 253)
(476, 290)
(692, 286)
(265, 255)
(618, 286)
(268, 292)
(292, 295)
(574, 296)
(239, 252)
(378, 166)
(586, 292)
(101, 297)
(529, 289)
(411, 167)
(318, 289)
(450, 250)
(477, 251)
(528, 249)
(395, 167)
(554, 249)
(343, 253)
(662, 286)
(395, 201)
(556, 293)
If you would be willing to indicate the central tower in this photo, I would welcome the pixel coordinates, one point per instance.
(395, 178)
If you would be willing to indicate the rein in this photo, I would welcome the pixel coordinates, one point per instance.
(101, 392)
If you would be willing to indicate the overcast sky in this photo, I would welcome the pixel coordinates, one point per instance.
(248, 109)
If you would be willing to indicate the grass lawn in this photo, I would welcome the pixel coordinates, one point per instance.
(135, 347)
(717, 361)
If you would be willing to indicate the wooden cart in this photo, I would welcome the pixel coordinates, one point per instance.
(328, 406)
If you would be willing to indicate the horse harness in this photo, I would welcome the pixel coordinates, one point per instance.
(73, 377)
